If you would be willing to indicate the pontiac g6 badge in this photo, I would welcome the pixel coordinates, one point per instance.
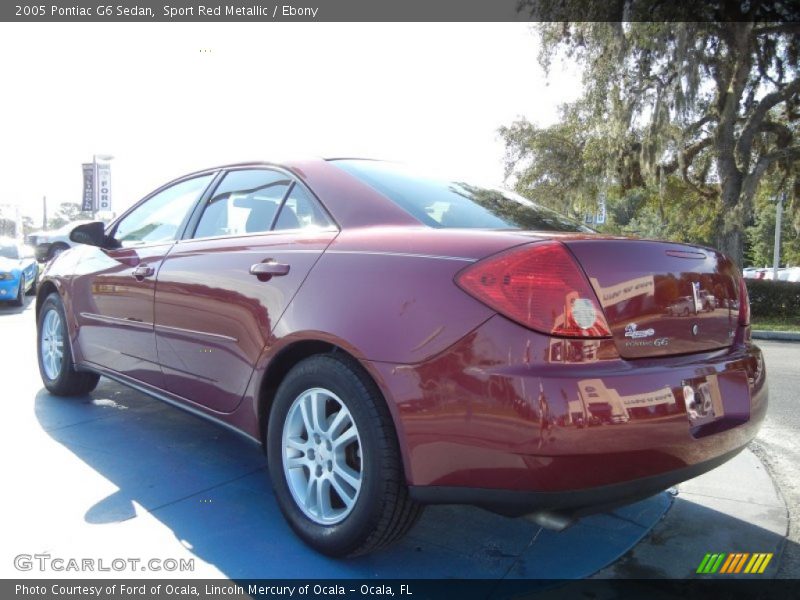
(631, 331)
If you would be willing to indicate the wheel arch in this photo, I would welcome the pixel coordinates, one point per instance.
(283, 360)
(46, 288)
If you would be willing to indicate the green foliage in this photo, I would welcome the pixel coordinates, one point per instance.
(67, 212)
(774, 299)
(761, 234)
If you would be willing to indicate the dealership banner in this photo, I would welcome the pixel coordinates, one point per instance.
(103, 187)
(87, 204)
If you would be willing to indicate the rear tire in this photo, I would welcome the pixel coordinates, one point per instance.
(358, 500)
(55, 355)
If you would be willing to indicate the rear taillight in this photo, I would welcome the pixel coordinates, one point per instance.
(744, 303)
(540, 286)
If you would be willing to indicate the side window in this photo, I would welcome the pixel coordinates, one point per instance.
(245, 202)
(301, 211)
(158, 219)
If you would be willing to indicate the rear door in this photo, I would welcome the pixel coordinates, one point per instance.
(221, 289)
(113, 291)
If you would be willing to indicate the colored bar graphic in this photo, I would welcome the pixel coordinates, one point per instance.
(734, 563)
(763, 566)
(703, 563)
(728, 565)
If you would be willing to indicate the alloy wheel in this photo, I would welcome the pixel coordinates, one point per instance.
(52, 344)
(321, 452)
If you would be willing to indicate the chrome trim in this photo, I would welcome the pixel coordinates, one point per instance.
(402, 254)
(213, 336)
(294, 232)
(145, 389)
(117, 320)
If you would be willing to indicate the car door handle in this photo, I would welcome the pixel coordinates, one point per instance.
(143, 271)
(266, 270)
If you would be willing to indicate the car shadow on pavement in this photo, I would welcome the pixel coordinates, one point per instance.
(6, 308)
(210, 488)
(676, 549)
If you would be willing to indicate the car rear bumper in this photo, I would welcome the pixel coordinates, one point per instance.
(509, 410)
(574, 503)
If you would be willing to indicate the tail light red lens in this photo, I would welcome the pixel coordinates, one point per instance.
(744, 303)
(539, 286)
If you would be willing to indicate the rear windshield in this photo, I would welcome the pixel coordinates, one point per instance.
(444, 203)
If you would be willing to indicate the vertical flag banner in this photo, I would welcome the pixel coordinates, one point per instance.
(104, 187)
(87, 205)
(601, 210)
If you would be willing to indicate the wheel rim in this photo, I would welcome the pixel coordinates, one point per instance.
(52, 344)
(322, 456)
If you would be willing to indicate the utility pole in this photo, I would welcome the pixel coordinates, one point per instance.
(776, 253)
(44, 212)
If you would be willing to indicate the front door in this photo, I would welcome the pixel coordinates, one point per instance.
(114, 289)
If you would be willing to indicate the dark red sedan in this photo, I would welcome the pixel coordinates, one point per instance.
(395, 340)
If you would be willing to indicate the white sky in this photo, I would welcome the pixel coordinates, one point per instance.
(427, 93)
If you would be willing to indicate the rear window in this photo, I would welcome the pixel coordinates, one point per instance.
(444, 203)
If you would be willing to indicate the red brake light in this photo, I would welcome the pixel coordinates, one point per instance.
(744, 303)
(540, 286)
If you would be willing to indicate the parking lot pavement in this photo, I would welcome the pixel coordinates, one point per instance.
(117, 475)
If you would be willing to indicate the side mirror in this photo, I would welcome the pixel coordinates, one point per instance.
(93, 234)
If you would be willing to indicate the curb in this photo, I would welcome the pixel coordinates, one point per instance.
(786, 336)
(735, 508)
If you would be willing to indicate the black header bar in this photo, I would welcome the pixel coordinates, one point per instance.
(399, 10)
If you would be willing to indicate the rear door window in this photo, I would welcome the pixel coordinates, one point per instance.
(245, 202)
(301, 211)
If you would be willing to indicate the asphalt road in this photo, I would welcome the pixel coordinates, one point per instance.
(778, 442)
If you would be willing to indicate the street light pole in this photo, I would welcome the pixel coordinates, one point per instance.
(776, 253)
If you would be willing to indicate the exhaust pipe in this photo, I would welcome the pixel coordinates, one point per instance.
(551, 520)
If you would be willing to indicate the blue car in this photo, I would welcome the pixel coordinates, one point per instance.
(19, 272)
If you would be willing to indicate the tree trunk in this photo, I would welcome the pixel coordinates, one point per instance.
(731, 242)
(731, 223)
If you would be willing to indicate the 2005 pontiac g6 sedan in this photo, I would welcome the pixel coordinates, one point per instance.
(395, 340)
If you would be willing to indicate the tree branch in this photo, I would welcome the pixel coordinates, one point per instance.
(782, 28)
(750, 183)
(745, 144)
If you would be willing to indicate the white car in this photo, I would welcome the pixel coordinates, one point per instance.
(50, 244)
(790, 274)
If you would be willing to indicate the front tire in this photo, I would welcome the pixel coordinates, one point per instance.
(34, 286)
(55, 356)
(20, 298)
(334, 459)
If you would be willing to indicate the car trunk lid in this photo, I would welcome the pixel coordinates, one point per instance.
(661, 298)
